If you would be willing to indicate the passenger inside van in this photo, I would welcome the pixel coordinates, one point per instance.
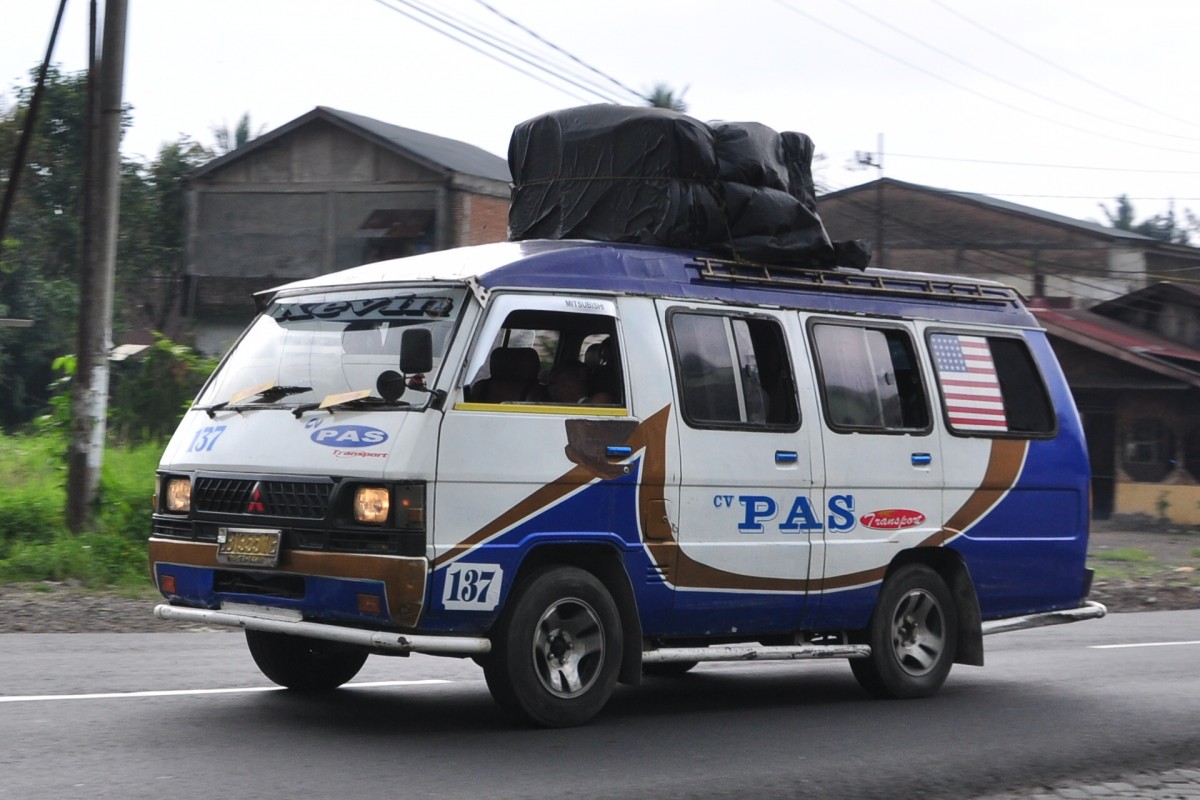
(568, 385)
(514, 377)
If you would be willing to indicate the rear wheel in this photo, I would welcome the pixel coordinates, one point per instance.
(557, 650)
(913, 636)
(305, 665)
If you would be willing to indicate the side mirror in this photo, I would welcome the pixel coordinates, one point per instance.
(416, 351)
(390, 385)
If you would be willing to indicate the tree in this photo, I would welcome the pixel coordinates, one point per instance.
(1164, 227)
(226, 140)
(663, 96)
(41, 258)
(42, 252)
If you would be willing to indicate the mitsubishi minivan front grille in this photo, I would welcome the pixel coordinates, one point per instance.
(294, 499)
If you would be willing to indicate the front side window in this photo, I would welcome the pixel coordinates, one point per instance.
(869, 379)
(733, 371)
(305, 349)
(554, 357)
(990, 385)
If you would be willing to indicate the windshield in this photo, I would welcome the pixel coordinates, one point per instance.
(307, 348)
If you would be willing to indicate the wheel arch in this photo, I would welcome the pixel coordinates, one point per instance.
(951, 568)
(605, 563)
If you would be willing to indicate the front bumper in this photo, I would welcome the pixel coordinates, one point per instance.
(322, 581)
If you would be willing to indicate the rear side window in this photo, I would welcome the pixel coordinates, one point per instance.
(869, 379)
(733, 371)
(990, 385)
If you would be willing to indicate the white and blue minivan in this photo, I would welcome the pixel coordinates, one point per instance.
(580, 462)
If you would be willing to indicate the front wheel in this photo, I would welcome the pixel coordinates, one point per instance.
(305, 665)
(913, 636)
(557, 650)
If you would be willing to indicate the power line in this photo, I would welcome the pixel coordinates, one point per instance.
(1007, 82)
(1045, 166)
(541, 60)
(969, 90)
(431, 26)
(1059, 67)
(556, 48)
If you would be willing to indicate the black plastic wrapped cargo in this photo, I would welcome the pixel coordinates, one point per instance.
(651, 176)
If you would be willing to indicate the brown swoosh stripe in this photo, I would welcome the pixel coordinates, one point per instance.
(658, 536)
(1004, 465)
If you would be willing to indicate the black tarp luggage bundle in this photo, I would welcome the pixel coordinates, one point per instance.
(652, 176)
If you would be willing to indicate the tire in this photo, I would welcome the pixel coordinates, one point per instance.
(913, 636)
(304, 665)
(668, 669)
(557, 649)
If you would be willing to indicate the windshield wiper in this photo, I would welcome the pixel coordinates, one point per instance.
(360, 399)
(268, 393)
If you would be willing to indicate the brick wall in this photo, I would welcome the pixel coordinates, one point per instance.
(479, 219)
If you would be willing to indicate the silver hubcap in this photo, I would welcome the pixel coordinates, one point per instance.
(918, 632)
(568, 648)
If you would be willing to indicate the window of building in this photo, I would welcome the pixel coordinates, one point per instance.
(1191, 452)
(733, 371)
(990, 385)
(1147, 450)
(869, 379)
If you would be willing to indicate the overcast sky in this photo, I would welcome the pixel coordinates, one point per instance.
(1056, 104)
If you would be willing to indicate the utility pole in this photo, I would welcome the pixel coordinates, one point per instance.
(875, 160)
(102, 184)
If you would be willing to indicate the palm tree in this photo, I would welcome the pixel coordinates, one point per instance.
(226, 140)
(663, 96)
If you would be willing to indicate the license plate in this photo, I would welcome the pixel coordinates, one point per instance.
(248, 547)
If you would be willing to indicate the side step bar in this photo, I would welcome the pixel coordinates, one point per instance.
(279, 620)
(749, 652)
(286, 621)
(1089, 610)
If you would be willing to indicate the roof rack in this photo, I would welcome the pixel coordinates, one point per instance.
(893, 285)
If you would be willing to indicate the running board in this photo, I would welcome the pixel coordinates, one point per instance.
(1089, 610)
(286, 621)
(750, 652)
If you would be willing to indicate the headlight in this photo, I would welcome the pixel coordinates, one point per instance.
(372, 504)
(179, 495)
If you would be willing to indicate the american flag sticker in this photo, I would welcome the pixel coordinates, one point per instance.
(968, 378)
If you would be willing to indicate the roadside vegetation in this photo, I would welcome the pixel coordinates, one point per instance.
(149, 396)
(1137, 565)
(34, 542)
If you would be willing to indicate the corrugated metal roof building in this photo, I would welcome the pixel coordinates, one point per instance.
(326, 191)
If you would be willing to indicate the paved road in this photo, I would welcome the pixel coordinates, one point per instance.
(188, 716)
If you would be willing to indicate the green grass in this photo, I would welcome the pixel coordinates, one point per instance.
(34, 542)
(1128, 555)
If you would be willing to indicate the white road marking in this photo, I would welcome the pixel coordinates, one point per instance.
(1142, 644)
(35, 698)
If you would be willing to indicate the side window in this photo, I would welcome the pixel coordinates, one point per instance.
(990, 385)
(551, 357)
(733, 371)
(869, 379)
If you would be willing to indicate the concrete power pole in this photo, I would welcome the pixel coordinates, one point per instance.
(876, 160)
(102, 185)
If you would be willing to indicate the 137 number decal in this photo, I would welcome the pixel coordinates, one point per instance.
(472, 587)
(206, 439)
